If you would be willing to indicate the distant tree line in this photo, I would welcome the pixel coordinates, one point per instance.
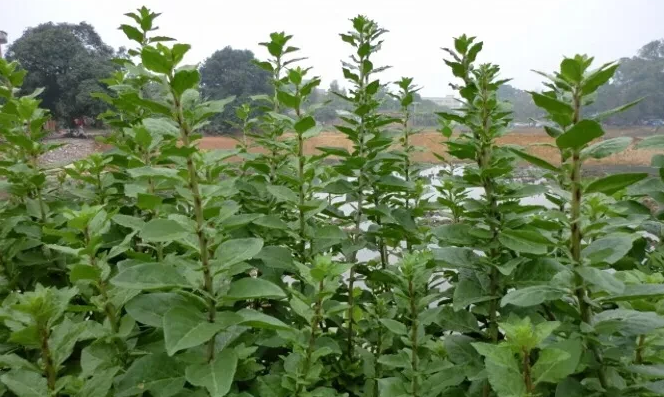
(69, 62)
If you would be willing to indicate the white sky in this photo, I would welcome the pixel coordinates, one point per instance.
(519, 35)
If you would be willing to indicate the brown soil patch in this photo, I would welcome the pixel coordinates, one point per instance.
(534, 140)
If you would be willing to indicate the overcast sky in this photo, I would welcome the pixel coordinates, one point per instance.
(519, 35)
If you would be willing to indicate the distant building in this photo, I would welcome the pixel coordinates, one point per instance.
(448, 101)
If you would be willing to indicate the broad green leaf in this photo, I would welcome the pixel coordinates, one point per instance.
(304, 124)
(25, 383)
(608, 113)
(651, 142)
(601, 279)
(150, 309)
(606, 148)
(656, 371)
(99, 384)
(185, 328)
(469, 291)
(638, 291)
(627, 322)
(282, 193)
(155, 61)
(159, 374)
(163, 231)
(237, 250)
(548, 368)
(216, 376)
(254, 288)
(502, 369)
(276, 257)
(580, 134)
(150, 276)
(391, 387)
(458, 321)
(327, 237)
(395, 361)
(83, 272)
(455, 233)
(256, 319)
(608, 249)
(532, 296)
(185, 79)
(131, 222)
(12, 360)
(551, 105)
(456, 257)
(535, 160)
(153, 172)
(526, 241)
(460, 350)
(394, 326)
(63, 338)
(614, 183)
(571, 70)
(570, 387)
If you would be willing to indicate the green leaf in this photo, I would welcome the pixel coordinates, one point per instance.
(99, 384)
(185, 328)
(63, 338)
(304, 124)
(282, 193)
(150, 309)
(159, 374)
(502, 369)
(460, 350)
(627, 322)
(132, 33)
(456, 257)
(651, 142)
(638, 291)
(601, 279)
(609, 249)
(571, 69)
(614, 183)
(254, 288)
(253, 318)
(148, 201)
(150, 276)
(598, 78)
(580, 134)
(155, 61)
(25, 383)
(548, 368)
(185, 79)
(608, 113)
(153, 172)
(606, 148)
(83, 272)
(458, 321)
(327, 237)
(217, 376)
(532, 296)
(131, 222)
(526, 241)
(551, 105)
(394, 326)
(535, 160)
(163, 231)
(237, 250)
(391, 387)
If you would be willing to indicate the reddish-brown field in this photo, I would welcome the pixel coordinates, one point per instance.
(430, 141)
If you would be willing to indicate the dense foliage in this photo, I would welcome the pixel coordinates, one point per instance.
(159, 269)
(67, 61)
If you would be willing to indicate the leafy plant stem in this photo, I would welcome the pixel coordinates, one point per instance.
(527, 378)
(49, 366)
(639, 349)
(580, 291)
(413, 337)
(185, 131)
(312, 336)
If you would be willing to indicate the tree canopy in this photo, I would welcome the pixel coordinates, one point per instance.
(232, 72)
(67, 60)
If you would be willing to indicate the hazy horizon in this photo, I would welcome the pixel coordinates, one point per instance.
(518, 35)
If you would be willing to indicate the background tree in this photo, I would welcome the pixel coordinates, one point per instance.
(231, 72)
(67, 60)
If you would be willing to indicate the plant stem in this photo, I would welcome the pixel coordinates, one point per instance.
(639, 350)
(317, 318)
(49, 366)
(575, 225)
(527, 378)
(109, 310)
(185, 131)
(301, 191)
(413, 337)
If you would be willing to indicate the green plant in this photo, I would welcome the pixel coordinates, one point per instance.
(159, 269)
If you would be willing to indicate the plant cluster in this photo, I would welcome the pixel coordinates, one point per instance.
(160, 269)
